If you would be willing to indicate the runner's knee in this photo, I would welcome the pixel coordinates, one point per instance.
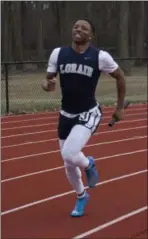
(68, 154)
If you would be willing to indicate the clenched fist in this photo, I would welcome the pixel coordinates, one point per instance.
(49, 85)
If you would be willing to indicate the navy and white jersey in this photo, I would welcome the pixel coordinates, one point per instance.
(79, 74)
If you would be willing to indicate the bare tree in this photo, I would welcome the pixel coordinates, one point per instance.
(39, 18)
(7, 30)
(123, 36)
(17, 31)
(30, 26)
(140, 32)
(59, 12)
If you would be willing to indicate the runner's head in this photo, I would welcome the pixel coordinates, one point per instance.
(82, 32)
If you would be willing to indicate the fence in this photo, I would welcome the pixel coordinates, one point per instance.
(21, 89)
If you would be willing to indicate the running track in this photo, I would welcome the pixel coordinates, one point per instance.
(37, 198)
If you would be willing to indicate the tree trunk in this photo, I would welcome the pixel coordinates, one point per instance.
(123, 37)
(140, 33)
(7, 39)
(40, 47)
(59, 12)
(17, 31)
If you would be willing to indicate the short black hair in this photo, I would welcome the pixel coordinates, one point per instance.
(91, 24)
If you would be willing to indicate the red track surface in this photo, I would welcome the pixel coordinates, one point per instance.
(37, 198)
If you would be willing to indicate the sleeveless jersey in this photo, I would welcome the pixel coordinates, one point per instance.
(79, 75)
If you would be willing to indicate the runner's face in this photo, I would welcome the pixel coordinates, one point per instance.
(81, 32)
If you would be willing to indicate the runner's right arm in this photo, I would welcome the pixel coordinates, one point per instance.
(50, 82)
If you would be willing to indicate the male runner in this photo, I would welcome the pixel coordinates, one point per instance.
(79, 67)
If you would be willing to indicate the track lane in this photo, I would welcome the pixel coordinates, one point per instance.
(41, 162)
(50, 128)
(50, 125)
(43, 223)
(106, 110)
(116, 230)
(52, 134)
(62, 166)
(42, 185)
(141, 234)
(47, 217)
(44, 146)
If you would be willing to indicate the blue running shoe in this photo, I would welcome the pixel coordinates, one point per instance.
(78, 210)
(92, 173)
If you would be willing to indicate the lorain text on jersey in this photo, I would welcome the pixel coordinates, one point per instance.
(76, 68)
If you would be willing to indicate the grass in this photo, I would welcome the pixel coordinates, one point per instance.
(26, 94)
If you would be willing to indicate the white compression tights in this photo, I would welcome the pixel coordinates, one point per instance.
(73, 158)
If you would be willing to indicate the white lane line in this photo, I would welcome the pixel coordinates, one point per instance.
(61, 167)
(26, 120)
(27, 126)
(110, 223)
(24, 134)
(55, 139)
(69, 192)
(132, 107)
(87, 146)
(55, 117)
(53, 130)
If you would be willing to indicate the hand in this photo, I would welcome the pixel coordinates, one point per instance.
(49, 85)
(118, 114)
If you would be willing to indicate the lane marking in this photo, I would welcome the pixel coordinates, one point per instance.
(54, 117)
(55, 130)
(105, 108)
(87, 146)
(110, 223)
(27, 126)
(56, 139)
(62, 167)
(69, 192)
